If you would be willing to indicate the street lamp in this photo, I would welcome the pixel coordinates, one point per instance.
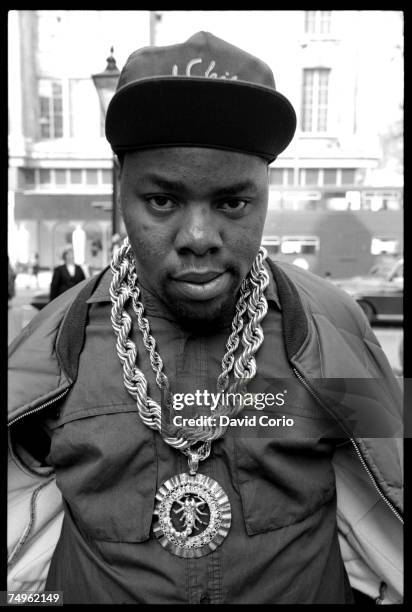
(106, 83)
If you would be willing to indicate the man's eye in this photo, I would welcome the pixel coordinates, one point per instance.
(161, 202)
(233, 205)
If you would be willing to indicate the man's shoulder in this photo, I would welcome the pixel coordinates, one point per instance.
(43, 358)
(44, 326)
(320, 296)
(308, 281)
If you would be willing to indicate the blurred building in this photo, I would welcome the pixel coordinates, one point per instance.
(60, 178)
(336, 194)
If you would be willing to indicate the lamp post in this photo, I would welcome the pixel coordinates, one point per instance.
(105, 83)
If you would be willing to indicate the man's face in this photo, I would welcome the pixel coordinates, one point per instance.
(69, 257)
(194, 217)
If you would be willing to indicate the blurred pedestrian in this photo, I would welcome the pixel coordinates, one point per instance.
(35, 268)
(66, 275)
(11, 281)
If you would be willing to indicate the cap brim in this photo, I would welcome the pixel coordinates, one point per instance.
(190, 111)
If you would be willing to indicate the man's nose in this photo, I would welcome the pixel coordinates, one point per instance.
(199, 231)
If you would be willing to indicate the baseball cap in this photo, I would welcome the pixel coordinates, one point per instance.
(204, 92)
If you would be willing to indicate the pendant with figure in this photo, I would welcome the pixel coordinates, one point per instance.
(192, 515)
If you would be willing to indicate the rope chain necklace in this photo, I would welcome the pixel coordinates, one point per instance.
(192, 515)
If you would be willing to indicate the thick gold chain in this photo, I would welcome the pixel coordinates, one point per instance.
(251, 302)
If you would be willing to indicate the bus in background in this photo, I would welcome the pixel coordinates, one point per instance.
(337, 234)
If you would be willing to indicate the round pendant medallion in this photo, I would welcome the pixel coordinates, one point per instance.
(192, 515)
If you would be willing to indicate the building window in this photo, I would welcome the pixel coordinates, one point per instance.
(290, 177)
(91, 177)
(311, 176)
(336, 201)
(303, 245)
(329, 176)
(107, 177)
(75, 177)
(282, 176)
(276, 176)
(44, 176)
(348, 176)
(29, 178)
(301, 200)
(315, 99)
(391, 201)
(317, 22)
(60, 177)
(271, 244)
(51, 109)
(384, 246)
(375, 201)
(354, 199)
(50, 178)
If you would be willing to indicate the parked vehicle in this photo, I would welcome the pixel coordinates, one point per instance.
(379, 293)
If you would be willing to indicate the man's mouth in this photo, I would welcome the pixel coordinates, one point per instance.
(201, 285)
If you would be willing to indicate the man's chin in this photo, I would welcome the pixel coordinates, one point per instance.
(203, 316)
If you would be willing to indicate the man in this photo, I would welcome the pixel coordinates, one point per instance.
(36, 268)
(11, 281)
(65, 276)
(160, 509)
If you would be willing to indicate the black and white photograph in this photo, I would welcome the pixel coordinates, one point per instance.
(205, 254)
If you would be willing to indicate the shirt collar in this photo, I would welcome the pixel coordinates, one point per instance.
(153, 306)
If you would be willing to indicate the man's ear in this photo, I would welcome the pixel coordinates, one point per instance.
(117, 175)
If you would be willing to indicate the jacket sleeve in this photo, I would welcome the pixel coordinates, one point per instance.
(36, 380)
(35, 515)
(369, 478)
(35, 510)
(370, 536)
(371, 533)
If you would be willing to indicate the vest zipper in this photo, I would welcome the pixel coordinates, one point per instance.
(358, 452)
(13, 555)
(22, 541)
(54, 399)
